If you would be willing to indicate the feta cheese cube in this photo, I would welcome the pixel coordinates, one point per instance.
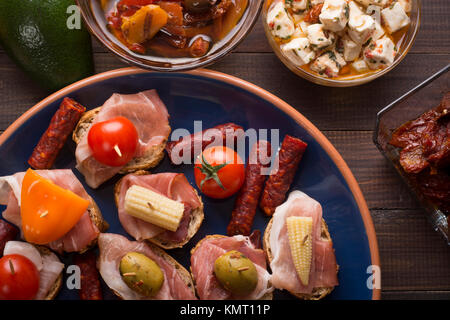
(378, 32)
(375, 12)
(394, 17)
(380, 53)
(298, 51)
(360, 66)
(351, 49)
(329, 64)
(360, 25)
(406, 5)
(279, 21)
(299, 5)
(316, 2)
(334, 15)
(304, 26)
(366, 3)
(318, 37)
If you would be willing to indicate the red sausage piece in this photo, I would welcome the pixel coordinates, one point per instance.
(90, 278)
(279, 182)
(247, 199)
(61, 126)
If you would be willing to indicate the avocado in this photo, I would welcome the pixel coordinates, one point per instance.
(35, 34)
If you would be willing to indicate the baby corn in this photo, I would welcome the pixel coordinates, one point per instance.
(153, 207)
(300, 241)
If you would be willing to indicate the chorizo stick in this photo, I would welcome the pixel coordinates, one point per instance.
(61, 126)
(7, 233)
(247, 200)
(90, 280)
(200, 140)
(280, 180)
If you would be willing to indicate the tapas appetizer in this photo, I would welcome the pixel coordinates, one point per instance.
(230, 268)
(173, 29)
(29, 272)
(136, 270)
(300, 249)
(126, 134)
(339, 39)
(162, 208)
(204, 184)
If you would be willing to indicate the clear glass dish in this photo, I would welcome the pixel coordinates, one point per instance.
(95, 20)
(403, 49)
(411, 105)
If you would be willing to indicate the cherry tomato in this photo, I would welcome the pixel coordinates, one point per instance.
(219, 172)
(113, 142)
(19, 278)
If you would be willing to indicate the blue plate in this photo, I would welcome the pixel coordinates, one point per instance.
(216, 98)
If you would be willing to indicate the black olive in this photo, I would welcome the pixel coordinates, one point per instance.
(197, 6)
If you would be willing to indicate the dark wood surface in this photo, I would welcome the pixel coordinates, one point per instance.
(415, 261)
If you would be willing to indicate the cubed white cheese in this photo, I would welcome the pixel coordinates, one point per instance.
(329, 64)
(366, 3)
(304, 26)
(360, 66)
(360, 25)
(318, 37)
(298, 33)
(380, 53)
(298, 5)
(394, 17)
(298, 51)
(375, 12)
(334, 15)
(378, 32)
(406, 5)
(279, 21)
(351, 49)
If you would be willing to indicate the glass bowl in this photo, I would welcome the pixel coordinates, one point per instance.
(403, 49)
(411, 105)
(94, 17)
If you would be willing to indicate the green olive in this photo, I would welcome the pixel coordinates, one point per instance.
(141, 274)
(236, 273)
(197, 6)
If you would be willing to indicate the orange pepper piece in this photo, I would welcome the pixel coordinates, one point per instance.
(48, 211)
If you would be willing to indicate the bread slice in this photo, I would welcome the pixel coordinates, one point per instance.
(184, 274)
(197, 217)
(267, 296)
(317, 293)
(150, 159)
(54, 290)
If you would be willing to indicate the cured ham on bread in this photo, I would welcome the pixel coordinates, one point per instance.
(150, 118)
(205, 264)
(173, 186)
(47, 264)
(86, 229)
(176, 285)
(285, 254)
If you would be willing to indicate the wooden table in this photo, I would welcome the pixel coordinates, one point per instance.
(414, 259)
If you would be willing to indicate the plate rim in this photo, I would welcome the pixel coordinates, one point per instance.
(258, 91)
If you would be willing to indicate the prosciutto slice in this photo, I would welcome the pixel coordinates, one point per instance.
(48, 265)
(151, 119)
(202, 265)
(172, 185)
(114, 247)
(323, 268)
(79, 237)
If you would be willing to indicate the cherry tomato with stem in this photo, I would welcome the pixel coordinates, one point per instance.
(19, 278)
(219, 172)
(113, 142)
